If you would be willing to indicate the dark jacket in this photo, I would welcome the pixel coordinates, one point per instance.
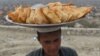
(64, 51)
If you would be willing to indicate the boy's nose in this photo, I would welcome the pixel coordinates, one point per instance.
(53, 46)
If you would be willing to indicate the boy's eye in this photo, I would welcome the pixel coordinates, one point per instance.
(56, 40)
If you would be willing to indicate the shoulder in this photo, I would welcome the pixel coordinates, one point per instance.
(68, 51)
(35, 52)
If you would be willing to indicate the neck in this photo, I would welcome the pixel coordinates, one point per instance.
(51, 55)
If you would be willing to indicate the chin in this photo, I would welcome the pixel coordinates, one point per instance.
(53, 53)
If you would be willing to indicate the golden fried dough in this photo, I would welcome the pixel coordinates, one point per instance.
(84, 10)
(55, 5)
(27, 12)
(37, 17)
(24, 14)
(52, 17)
(40, 18)
(13, 16)
(30, 19)
(75, 12)
(53, 13)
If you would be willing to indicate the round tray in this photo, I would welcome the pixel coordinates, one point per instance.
(39, 25)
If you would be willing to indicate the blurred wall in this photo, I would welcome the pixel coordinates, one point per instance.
(10, 3)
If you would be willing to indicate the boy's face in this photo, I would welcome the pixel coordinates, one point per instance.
(50, 42)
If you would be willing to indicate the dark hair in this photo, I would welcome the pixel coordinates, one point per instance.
(39, 33)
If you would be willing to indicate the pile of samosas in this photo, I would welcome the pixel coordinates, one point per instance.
(53, 13)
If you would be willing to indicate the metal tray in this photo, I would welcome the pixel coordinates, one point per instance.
(39, 25)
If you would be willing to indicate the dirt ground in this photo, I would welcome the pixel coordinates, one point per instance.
(20, 42)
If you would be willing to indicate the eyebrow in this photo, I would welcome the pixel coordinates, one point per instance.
(47, 41)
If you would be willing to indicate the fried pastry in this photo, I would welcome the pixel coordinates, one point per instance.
(20, 14)
(13, 16)
(75, 12)
(54, 6)
(37, 17)
(51, 15)
(27, 12)
(30, 19)
(40, 18)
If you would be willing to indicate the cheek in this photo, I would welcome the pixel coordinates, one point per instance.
(58, 44)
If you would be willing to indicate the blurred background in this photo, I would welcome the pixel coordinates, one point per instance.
(83, 35)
